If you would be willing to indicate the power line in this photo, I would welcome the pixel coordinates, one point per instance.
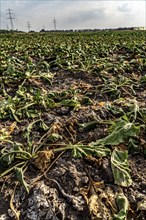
(54, 22)
(11, 18)
(28, 25)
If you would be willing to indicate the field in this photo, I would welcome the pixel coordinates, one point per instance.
(73, 125)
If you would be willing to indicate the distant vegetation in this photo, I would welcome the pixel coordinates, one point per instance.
(75, 30)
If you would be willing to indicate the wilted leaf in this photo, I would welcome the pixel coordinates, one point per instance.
(88, 125)
(54, 137)
(20, 177)
(83, 150)
(121, 171)
(122, 131)
(123, 206)
(143, 79)
(133, 146)
(87, 101)
(70, 103)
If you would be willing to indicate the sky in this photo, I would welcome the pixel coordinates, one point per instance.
(72, 14)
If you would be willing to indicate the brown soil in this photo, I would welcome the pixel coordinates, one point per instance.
(74, 188)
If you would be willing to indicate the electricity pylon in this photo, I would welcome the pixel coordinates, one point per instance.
(11, 18)
(28, 25)
(54, 22)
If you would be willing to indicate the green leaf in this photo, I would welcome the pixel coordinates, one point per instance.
(120, 216)
(123, 206)
(43, 125)
(133, 146)
(121, 131)
(101, 151)
(70, 103)
(143, 79)
(120, 168)
(83, 150)
(20, 176)
(88, 125)
(87, 101)
(54, 137)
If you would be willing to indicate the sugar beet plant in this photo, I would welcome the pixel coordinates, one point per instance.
(48, 85)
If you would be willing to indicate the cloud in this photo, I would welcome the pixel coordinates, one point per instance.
(87, 16)
(124, 7)
(74, 14)
(83, 16)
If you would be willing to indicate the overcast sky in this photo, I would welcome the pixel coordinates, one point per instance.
(73, 14)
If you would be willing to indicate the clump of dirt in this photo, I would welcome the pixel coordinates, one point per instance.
(77, 189)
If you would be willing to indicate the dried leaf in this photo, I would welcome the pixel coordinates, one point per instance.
(42, 159)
